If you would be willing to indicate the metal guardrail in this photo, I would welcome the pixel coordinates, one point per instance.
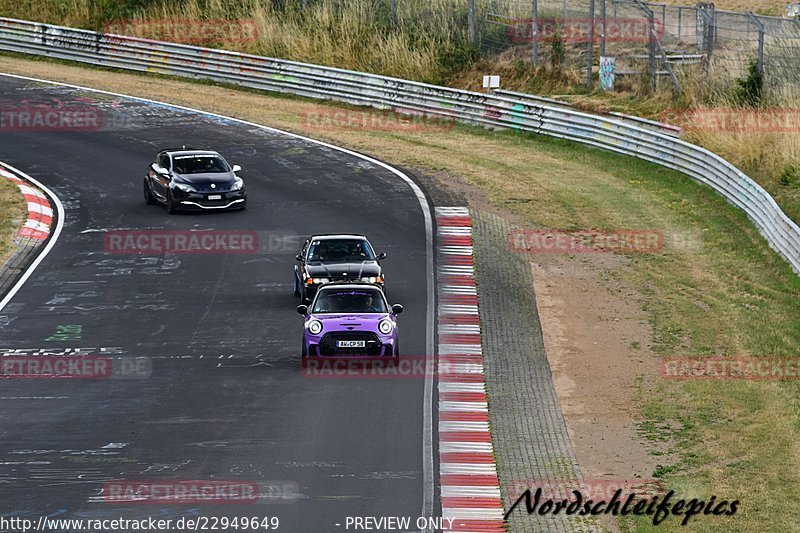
(660, 127)
(411, 97)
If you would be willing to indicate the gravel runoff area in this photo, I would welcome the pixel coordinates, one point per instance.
(529, 433)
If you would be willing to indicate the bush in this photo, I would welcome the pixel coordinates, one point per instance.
(750, 88)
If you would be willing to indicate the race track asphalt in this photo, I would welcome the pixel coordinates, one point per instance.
(226, 399)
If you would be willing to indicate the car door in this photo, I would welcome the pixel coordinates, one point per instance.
(301, 261)
(160, 182)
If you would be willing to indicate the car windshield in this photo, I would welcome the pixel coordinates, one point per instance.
(349, 301)
(199, 164)
(340, 250)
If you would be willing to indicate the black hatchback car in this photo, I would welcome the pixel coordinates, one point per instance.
(335, 257)
(194, 180)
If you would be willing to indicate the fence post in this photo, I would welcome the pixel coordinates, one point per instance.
(651, 51)
(472, 21)
(680, 21)
(564, 9)
(760, 26)
(535, 31)
(590, 51)
(394, 12)
(603, 28)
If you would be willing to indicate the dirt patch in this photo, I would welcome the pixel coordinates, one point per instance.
(596, 334)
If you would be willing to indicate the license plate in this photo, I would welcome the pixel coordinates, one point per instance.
(351, 344)
(215, 197)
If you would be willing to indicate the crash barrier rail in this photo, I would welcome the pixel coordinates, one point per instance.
(358, 88)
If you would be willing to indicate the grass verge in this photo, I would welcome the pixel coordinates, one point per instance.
(12, 215)
(716, 287)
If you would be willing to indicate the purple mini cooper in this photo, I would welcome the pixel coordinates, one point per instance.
(350, 320)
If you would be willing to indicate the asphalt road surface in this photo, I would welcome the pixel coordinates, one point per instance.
(224, 397)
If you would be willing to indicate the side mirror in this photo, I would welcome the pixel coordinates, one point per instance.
(302, 309)
(298, 257)
(236, 168)
(159, 169)
(397, 309)
(381, 256)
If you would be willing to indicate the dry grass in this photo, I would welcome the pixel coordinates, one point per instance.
(12, 213)
(425, 43)
(762, 7)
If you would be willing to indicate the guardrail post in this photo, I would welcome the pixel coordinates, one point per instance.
(394, 12)
(760, 26)
(472, 21)
(535, 31)
(680, 22)
(590, 51)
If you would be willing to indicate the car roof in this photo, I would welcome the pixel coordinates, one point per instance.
(184, 151)
(332, 236)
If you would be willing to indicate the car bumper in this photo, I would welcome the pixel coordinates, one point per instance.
(202, 202)
(311, 290)
(324, 346)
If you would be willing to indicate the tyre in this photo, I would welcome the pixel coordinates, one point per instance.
(296, 289)
(149, 199)
(172, 207)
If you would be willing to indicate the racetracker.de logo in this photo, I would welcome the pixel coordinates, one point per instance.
(50, 115)
(199, 491)
(585, 242)
(593, 489)
(157, 242)
(343, 120)
(770, 120)
(578, 30)
(378, 367)
(189, 31)
(745, 368)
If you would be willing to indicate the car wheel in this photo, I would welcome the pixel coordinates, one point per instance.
(303, 355)
(172, 207)
(149, 199)
(296, 289)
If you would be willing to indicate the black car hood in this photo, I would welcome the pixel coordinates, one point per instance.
(206, 179)
(338, 270)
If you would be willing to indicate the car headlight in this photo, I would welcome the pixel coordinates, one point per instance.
(385, 326)
(372, 279)
(237, 185)
(184, 187)
(320, 281)
(314, 327)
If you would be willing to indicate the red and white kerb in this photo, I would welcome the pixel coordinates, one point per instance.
(469, 485)
(40, 214)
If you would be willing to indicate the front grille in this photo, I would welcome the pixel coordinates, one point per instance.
(328, 344)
